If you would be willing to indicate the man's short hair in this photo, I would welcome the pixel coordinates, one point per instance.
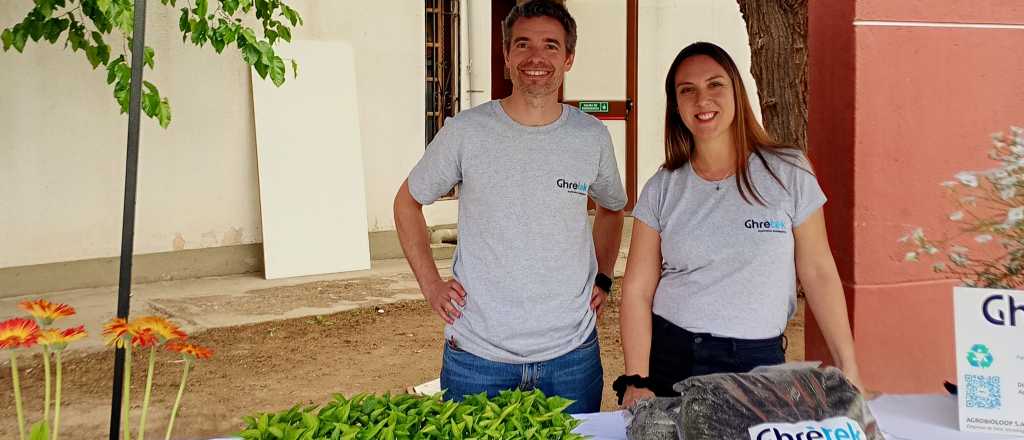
(540, 8)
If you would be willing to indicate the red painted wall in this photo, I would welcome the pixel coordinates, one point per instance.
(894, 111)
(950, 11)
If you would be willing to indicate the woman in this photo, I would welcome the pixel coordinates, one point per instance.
(722, 232)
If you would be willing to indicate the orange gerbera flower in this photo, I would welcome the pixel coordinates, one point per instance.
(60, 338)
(18, 332)
(187, 349)
(144, 339)
(46, 312)
(116, 332)
(160, 327)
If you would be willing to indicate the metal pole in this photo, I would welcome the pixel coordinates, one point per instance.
(128, 217)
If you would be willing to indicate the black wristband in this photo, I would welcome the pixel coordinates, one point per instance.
(603, 282)
(624, 381)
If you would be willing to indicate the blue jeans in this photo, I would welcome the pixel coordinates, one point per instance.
(576, 375)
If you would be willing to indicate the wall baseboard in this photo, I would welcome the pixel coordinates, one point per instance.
(166, 266)
(146, 268)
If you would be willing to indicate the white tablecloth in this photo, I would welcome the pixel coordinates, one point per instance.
(900, 417)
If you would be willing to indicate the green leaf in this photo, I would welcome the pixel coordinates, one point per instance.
(290, 14)
(54, 28)
(230, 6)
(310, 421)
(251, 55)
(103, 5)
(276, 431)
(261, 69)
(151, 88)
(198, 28)
(271, 36)
(102, 53)
(295, 69)
(40, 431)
(34, 24)
(45, 7)
(217, 41)
(112, 69)
(183, 22)
(20, 38)
(91, 55)
(150, 104)
(251, 434)
(248, 35)
(266, 52)
(263, 422)
(229, 33)
(76, 36)
(121, 94)
(262, 9)
(8, 39)
(124, 18)
(164, 113)
(148, 58)
(201, 7)
(284, 33)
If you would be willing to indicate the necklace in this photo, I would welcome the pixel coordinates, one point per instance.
(718, 181)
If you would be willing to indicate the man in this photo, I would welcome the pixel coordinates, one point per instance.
(529, 285)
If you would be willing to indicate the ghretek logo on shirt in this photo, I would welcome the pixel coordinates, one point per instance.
(765, 225)
(573, 187)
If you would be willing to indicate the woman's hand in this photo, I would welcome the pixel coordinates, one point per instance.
(633, 394)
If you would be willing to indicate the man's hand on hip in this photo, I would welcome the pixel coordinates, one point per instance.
(440, 296)
(597, 300)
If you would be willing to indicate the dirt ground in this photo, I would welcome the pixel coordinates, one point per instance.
(273, 365)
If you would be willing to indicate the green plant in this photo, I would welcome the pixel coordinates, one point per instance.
(87, 25)
(988, 248)
(510, 415)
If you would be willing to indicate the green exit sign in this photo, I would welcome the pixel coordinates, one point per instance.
(594, 106)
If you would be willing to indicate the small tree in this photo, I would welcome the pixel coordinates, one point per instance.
(90, 26)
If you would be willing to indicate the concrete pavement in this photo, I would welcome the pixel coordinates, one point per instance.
(217, 302)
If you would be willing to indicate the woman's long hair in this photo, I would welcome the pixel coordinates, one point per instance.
(748, 135)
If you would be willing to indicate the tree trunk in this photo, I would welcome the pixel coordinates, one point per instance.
(778, 50)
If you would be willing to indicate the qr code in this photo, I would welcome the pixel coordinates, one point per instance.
(983, 392)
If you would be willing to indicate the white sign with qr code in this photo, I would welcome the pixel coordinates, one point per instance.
(990, 359)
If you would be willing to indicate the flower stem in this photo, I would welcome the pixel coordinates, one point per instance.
(17, 395)
(127, 402)
(46, 383)
(177, 400)
(56, 398)
(145, 398)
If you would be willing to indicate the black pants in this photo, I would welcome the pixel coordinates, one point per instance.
(677, 354)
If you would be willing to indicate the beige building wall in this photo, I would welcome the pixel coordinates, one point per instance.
(62, 141)
(62, 153)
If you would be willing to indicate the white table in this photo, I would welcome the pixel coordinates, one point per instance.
(900, 417)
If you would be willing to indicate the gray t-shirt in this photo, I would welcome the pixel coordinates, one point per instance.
(728, 266)
(525, 254)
